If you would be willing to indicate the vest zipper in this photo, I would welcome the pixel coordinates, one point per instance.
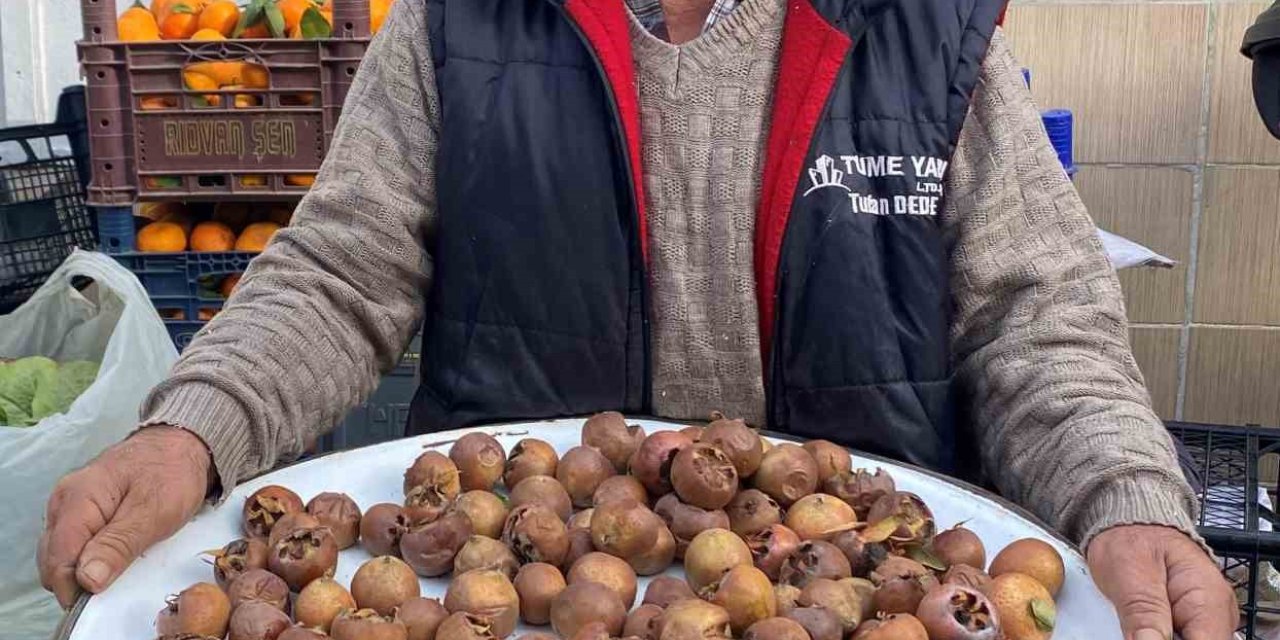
(620, 141)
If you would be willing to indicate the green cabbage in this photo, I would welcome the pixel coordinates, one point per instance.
(35, 387)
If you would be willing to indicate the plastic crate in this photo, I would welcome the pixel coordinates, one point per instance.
(152, 139)
(382, 417)
(184, 283)
(1226, 465)
(43, 174)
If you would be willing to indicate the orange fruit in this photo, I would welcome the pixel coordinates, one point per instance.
(161, 237)
(212, 236)
(180, 23)
(199, 82)
(174, 212)
(221, 16)
(378, 10)
(137, 24)
(244, 100)
(258, 31)
(254, 76)
(255, 237)
(300, 180)
(155, 103)
(205, 315)
(253, 181)
(208, 34)
(162, 182)
(160, 8)
(229, 284)
(293, 10)
(1025, 608)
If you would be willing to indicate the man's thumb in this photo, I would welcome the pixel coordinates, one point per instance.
(1143, 604)
(115, 546)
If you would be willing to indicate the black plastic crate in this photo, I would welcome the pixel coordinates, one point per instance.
(43, 217)
(1226, 465)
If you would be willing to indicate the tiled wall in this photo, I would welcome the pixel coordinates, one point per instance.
(1173, 155)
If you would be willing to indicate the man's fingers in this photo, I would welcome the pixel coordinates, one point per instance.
(1204, 606)
(79, 517)
(115, 546)
(1133, 577)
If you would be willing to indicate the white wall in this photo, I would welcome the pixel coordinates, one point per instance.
(37, 41)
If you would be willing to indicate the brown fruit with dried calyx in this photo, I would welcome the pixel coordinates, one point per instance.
(814, 559)
(265, 507)
(340, 513)
(481, 552)
(381, 528)
(624, 528)
(787, 473)
(384, 583)
(704, 476)
(952, 612)
(657, 558)
(711, 554)
(465, 626)
(545, 491)
(1032, 557)
(367, 624)
(832, 459)
(693, 432)
(581, 519)
(579, 545)
(752, 511)
(320, 602)
(294, 633)
(693, 620)
(581, 470)
(538, 584)
(530, 457)
(686, 521)
(863, 556)
(201, 609)
(303, 556)
(1024, 606)
(421, 617)
(820, 623)
(739, 442)
(860, 488)
(899, 626)
(480, 459)
(912, 517)
(486, 511)
(238, 557)
(959, 545)
(663, 590)
(536, 534)
(651, 463)
(786, 596)
(746, 594)
(901, 585)
(291, 522)
(257, 621)
(776, 629)
(966, 576)
(619, 488)
(866, 591)
(431, 548)
(258, 585)
(583, 603)
(593, 631)
(609, 433)
(488, 594)
(771, 547)
(430, 484)
(820, 517)
(609, 571)
(838, 597)
(640, 622)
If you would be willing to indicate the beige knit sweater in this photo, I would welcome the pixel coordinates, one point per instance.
(1040, 340)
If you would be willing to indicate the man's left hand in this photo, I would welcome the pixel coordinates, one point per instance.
(1161, 581)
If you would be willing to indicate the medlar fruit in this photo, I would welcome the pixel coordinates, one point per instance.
(320, 602)
(581, 519)
(431, 548)
(651, 463)
(257, 621)
(579, 545)
(201, 609)
(776, 629)
(486, 511)
(481, 552)
(663, 590)
(863, 556)
(786, 596)
(421, 617)
(237, 557)
(686, 521)
(959, 545)
(966, 576)
(609, 571)
(659, 557)
(340, 513)
(302, 633)
(746, 594)
(820, 623)
(289, 523)
(900, 626)
(624, 528)
(771, 547)
(640, 622)
(711, 554)
(609, 433)
(266, 506)
(1031, 557)
(619, 487)
(752, 511)
(581, 470)
(430, 484)
(952, 612)
(832, 459)
(901, 585)
(693, 619)
(537, 584)
(703, 476)
(487, 594)
(530, 457)
(381, 529)
(536, 534)
(839, 598)
(583, 603)
(366, 624)
(465, 626)
(914, 521)
(693, 432)
(543, 490)
(480, 460)
(820, 517)
(814, 559)
(303, 556)
(860, 488)
(787, 473)
(258, 585)
(740, 443)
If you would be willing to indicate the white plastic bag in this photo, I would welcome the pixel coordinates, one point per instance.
(111, 321)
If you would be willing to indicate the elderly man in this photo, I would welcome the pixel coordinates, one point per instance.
(834, 218)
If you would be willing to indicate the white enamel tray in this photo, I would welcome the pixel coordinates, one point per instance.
(374, 474)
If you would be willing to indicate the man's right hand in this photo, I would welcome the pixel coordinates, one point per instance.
(133, 495)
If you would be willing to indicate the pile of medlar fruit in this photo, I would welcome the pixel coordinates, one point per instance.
(776, 541)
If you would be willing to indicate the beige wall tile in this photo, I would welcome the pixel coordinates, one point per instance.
(1238, 272)
(1236, 133)
(1233, 376)
(1156, 349)
(1153, 207)
(1132, 73)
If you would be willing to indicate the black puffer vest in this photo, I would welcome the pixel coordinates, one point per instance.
(538, 308)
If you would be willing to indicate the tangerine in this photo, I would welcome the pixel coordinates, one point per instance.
(181, 22)
(221, 16)
(378, 10)
(155, 103)
(253, 181)
(199, 82)
(292, 11)
(255, 237)
(300, 180)
(205, 315)
(207, 35)
(137, 24)
(256, 31)
(161, 237)
(212, 236)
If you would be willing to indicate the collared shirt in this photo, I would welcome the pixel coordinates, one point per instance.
(649, 13)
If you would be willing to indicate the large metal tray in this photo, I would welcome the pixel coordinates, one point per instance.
(373, 474)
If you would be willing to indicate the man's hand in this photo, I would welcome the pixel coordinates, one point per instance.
(133, 495)
(1161, 581)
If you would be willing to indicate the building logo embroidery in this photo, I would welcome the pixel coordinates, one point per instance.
(825, 174)
(883, 185)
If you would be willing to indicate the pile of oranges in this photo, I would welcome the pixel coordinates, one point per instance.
(174, 228)
(222, 19)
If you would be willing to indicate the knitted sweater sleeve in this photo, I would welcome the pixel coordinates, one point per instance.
(1039, 335)
(333, 301)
